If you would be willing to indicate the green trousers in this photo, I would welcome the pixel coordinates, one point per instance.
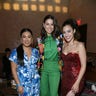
(49, 83)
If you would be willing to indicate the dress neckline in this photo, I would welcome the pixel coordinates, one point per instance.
(73, 53)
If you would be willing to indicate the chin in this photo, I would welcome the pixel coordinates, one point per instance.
(27, 45)
(68, 40)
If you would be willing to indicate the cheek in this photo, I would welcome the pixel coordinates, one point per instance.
(53, 27)
(44, 26)
(31, 40)
(72, 34)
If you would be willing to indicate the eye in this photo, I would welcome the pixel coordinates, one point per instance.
(29, 36)
(46, 23)
(23, 36)
(68, 31)
(52, 24)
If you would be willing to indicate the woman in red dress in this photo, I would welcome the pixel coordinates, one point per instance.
(74, 58)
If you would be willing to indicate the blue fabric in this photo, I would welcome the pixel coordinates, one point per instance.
(28, 74)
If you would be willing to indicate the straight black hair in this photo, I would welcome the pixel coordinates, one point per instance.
(20, 51)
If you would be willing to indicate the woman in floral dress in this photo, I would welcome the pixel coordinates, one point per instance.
(24, 66)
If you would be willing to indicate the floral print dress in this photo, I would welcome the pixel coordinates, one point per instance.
(28, 74)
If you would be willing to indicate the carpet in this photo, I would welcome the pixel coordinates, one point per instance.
(87, 90)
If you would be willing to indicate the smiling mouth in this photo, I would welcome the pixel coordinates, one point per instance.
(67, 37)
(26, 42)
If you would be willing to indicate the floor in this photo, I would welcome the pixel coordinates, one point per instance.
(90, 79)
(6, 89)
(8, 92)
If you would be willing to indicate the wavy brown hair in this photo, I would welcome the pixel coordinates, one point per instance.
(73, 23)
(56, 31)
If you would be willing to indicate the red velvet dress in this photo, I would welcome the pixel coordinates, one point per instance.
(70, 72)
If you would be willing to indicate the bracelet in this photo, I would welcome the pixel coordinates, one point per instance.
(17, 85)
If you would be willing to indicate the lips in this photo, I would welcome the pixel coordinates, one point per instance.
(67, 37)
(27, 43)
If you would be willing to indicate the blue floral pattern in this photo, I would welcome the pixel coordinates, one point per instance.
(28, 74)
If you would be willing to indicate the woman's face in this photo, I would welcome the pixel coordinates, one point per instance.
(68, 33)
(26, 39)
(49, 26)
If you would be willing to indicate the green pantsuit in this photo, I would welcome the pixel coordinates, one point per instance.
(50, 73)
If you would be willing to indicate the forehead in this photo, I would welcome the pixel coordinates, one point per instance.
(49, 20)
(67, 27)
(26, 33)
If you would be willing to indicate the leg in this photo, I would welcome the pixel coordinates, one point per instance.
(44, 89)
(54, 80)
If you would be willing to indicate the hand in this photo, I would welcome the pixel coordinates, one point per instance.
(20, 89)
(41, 48)
(75, 88)
(70, 93)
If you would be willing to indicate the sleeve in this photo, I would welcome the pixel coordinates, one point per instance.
(37, 53)
(13, 56)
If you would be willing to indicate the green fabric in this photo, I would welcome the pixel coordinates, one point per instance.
(50, 55)
(49, 83)
(50, 74)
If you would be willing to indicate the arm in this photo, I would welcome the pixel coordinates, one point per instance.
(82, 55)
(14, 67)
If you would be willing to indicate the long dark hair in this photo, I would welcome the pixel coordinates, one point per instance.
(73, 23)
(20, 51)
(56, 31)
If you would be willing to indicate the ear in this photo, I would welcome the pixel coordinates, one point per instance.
(32, 39)
(43, 25)
(74, 30)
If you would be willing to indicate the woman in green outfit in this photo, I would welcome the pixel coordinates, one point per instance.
(50, 73)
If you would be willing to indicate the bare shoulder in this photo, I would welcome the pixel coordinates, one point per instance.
(80, 44)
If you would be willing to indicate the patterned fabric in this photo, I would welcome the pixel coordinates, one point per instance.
(28, 74)
(41, 46)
